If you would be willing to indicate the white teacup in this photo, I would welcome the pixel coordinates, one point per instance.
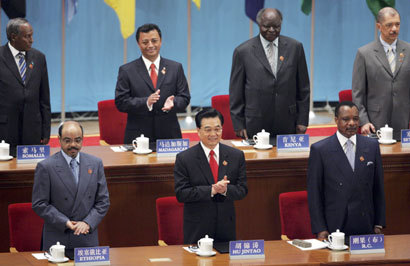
(385, 133)
(337, 239)
(141, 143)
(205, 245)
(57, 251)
(262, 138)
(4, 149)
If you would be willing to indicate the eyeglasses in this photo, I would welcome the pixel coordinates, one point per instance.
(209, 130)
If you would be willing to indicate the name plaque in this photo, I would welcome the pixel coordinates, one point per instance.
(32, 153)
(365, 244)
(292, 143)
(171, 147)
(405, 138)
(92, 256)
(247, 249)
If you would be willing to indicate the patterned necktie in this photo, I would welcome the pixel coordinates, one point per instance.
(22, 66)
(214, 165)
(391, 58)
(350, 153)
(153, 75)
(74, 166)
(271, 57)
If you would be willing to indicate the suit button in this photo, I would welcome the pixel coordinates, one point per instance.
(340, 184)
(363, 214)
(65, 198)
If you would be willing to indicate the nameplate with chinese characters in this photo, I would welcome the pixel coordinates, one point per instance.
(292, 143)
(405, 138)
(92, 256)
(32, 153)
(171, 147)
(365, 244)
(247, 249)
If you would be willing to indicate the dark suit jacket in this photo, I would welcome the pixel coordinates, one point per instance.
(134, 86)
(382, 97)
(258, 99)
(25, 114)
(203, 214)
(340, 198)
(57, 199)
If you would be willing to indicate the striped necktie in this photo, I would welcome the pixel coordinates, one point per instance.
(391, 58)
(22, 66)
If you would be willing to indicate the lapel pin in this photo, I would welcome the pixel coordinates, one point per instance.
(90, 171)
(401, 55)
(225, 163)
(31, 65)
(281, 58)
(361, 158)
(163, 71)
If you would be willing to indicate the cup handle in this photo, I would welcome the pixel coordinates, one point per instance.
(134, 144)
(255, 138)
(50, 251)
(199, 244)
(379, 134)
(330, 239)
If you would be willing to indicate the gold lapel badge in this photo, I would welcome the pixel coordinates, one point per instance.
(281, 58)
(163, 71)
(31, 65)
(361, 158)
(401, 55)
(225, 163)
(90, 171)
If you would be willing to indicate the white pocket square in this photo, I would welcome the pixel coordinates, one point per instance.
(369, 163)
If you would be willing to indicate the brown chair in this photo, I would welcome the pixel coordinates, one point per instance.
(25, 228)
(345, 95)
(221, 103)
(170, 221)
(111, 122)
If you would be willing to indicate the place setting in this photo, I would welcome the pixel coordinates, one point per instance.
(141, 145)
(385, 135)
(261, 140)
(5, 151)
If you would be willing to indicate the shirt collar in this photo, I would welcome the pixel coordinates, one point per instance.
(68, 158)
(386, 46)
(148, 63)
(208, 150)
(14, 51)
(266, 42)
(342, 139)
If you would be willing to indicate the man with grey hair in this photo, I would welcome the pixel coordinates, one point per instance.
(269, 85)
(25, 114)
(381, 78)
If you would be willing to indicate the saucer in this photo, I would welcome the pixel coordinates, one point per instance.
(6, 158)
(337, 249)
(390, 141)
(142, 151)
(50, 259)
(264, 147)
(210, 254)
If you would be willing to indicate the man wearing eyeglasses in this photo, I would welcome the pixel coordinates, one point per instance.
(269, 86)
(70, 193)
(209, 177)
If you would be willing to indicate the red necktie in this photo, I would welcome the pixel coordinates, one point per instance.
(214, 165)
(153, 75)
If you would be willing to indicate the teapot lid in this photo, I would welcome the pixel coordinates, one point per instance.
(338, 232)
(207, 239)
(4, 144)
(142, 137)
(58, 245)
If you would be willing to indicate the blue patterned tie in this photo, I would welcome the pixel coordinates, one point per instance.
(74, 167)
(350, 153)
(22, 66)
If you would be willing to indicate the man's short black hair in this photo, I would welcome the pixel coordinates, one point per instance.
(147, 28)
(344, 103)
(60, 128)
(208, 113)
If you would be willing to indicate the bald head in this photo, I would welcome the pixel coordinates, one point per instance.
(71, 138)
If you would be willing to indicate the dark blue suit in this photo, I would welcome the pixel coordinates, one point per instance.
(340, 198)
(203, 214)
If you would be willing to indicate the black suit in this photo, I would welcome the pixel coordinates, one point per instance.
(203, 214)
(134, 86)
(258, 99)
(25, 115)
(340, 198)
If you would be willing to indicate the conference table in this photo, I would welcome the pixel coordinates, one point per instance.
(277, 252)
(136, 181)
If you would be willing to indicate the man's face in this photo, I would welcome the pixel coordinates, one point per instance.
(24, 40)
(347, 121)
(71, 139)
(210, 132)
(150, 44)
(389, 28)
(270, 25)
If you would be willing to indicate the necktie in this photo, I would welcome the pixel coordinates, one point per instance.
(271, 57)
(74, 167)
(22, 66)
(214, 165)
(350, 153)
(153, 75)
(391, 58)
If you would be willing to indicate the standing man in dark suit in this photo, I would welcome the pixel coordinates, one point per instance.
(269, 87)
(70, 193)
(209, 177)
(381, 78)
(345, 180)
(25, 114)
(151, 90)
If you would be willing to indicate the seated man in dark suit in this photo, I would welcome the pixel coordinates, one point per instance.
(345, 180)
(208, 178)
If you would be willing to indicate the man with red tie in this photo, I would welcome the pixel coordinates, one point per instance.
(151, 89)
(208, 178)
